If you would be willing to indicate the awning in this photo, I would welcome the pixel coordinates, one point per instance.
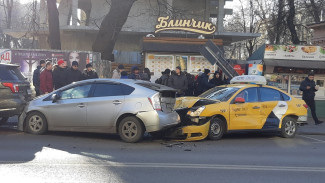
(296, 63)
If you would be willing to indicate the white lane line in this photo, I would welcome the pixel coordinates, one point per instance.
(177, 166)
(318, 140)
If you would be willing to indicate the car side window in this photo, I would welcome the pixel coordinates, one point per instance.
(286, 97)
(107, 89)
(249, 94)
(269, 94)
(81, 91)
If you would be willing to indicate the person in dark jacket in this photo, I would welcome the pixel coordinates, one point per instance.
(89, 72)
(216, 80)
(147, 72)
(46, 79)
(203, 82)
(124, 75)
(308, 87)
(36, 76)
(190, 81)
(60, 75)
(178, 81)
(74, 74)
(165, 77)
(134, 73)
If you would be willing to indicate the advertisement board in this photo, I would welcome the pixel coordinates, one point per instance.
(28, 60)
(5, 56)
(294, 52)
(255, 69)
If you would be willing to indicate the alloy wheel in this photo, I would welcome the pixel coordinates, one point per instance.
(129, 129)
(290, 128)
(35, 123)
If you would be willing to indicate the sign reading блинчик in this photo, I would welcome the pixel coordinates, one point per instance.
(164, 23)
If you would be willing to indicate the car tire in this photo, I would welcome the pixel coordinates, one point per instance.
(131, 129)
(289, 127)
(36, 123)
(3, 120)
(217, 129)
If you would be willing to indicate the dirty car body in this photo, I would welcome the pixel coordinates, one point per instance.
(101, 105)
(238, 107)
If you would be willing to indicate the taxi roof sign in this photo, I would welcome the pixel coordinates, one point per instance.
(248, 79)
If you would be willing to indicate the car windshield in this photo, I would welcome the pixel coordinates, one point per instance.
(11, 73)
(220, 93)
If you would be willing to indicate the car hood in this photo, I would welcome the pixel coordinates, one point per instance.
(189, 102)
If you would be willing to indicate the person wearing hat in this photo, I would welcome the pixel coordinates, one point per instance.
(36, 76)
(60, 75)
(216, 80)
(74, 74)
(163, 80)
(203, 82)
(89, 72)
(178, 81)
(134, 73)
(308, 87)
(117, 72)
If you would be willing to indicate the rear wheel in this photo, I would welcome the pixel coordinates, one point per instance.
(3, 120)
(217, 129)
(36, 123)
(131, 129)
(289, 127)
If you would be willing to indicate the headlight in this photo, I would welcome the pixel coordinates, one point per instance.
(197, 112)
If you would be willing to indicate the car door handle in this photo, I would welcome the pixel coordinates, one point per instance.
(117, 102)
(256, 107)
(81, 105)
(282, 105)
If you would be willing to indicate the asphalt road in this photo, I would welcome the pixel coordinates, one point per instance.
(84, 157)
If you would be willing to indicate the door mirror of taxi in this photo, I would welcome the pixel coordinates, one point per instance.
(239, 100)
(55, 98)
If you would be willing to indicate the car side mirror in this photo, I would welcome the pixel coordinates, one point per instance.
(239, 100)
(55, 97)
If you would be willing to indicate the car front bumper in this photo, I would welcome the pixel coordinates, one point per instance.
(157, 120)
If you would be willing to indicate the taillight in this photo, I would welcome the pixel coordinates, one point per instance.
(306, 106)
(13, 87)
(155, 102)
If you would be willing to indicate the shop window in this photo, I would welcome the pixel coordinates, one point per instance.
(199, 62)
(182, 62)
(278, 80)
(295, 84)
(158, 63)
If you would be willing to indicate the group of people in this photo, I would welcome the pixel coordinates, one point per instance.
(121, 73)
(47, 77)
(188, 84)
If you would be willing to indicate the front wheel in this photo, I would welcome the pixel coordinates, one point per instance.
(217, 129)
(3, 120)
(131, 129)
(36, 123)
(289, 127)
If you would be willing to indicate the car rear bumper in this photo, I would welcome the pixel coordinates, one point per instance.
(12, 107)
(302, 119)
(157, 120)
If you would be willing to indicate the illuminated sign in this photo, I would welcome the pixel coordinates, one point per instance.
(165, 23)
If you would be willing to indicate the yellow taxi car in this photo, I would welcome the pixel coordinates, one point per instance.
(247, 103)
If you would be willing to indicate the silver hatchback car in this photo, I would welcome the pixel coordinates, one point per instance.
(126, 107)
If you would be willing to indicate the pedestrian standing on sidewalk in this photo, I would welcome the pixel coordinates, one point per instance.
(308, 87)
(178, 81)
(46, 79)
(74, 74)
(60, 75)
(89, 72)
(117, 72)
(36, 76)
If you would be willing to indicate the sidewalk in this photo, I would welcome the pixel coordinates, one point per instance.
(312, 129)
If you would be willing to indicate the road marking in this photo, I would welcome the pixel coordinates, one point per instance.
(318, 141)
(175, 165)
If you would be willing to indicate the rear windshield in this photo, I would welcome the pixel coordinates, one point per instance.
(11, 73)
(220, 93)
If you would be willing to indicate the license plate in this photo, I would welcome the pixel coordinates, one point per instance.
(29, 92)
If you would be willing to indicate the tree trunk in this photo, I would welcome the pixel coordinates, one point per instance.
(110, 28)
(290, 22)
(54, 25)
(315, 11)
(279, 22)
(8, 12)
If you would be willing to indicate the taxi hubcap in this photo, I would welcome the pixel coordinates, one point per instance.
(35, 123)
(290, 128)
(215, 128)
(129, 129)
